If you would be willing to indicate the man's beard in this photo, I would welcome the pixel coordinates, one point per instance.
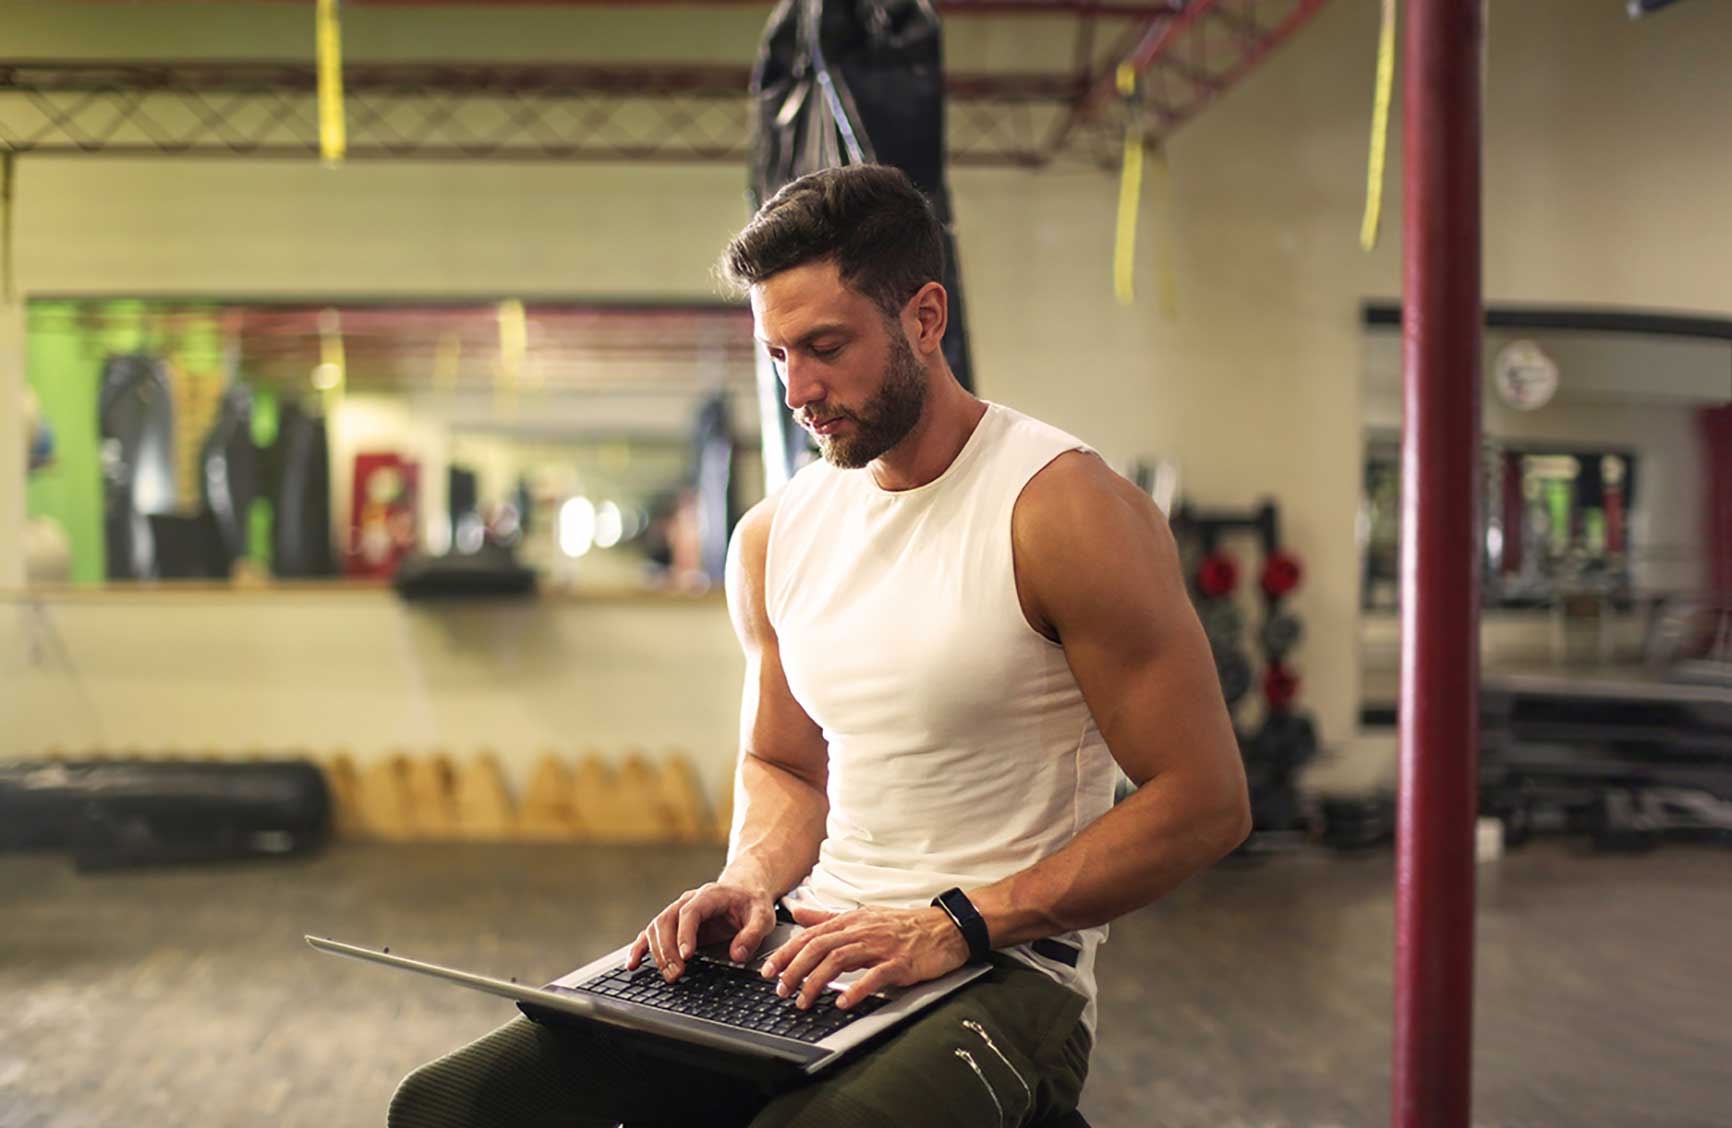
(887, 417)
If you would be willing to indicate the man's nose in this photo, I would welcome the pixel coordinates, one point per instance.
(800, 385)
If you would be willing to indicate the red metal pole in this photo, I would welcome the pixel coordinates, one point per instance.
(1440, 554)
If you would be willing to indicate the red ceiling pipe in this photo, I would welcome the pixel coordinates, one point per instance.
(1434, 894)
(1158, 47)
(1123, 9)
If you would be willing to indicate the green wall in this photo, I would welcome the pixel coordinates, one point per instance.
(65, 345)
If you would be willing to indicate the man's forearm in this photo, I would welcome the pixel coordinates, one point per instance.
(778, 824)
(1136, 853)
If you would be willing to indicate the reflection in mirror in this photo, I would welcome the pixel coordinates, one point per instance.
(1595, 485)
(1553, 520)
(1595, 472)
(602, 446)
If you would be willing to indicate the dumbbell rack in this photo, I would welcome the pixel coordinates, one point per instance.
(1285, 738)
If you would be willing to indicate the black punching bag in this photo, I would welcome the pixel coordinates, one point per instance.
(849, 82)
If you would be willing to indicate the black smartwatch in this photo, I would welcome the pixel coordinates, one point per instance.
(967, 918)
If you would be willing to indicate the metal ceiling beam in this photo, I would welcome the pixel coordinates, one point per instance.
(1183, 61)
(663, 112)
(450, 111)
(1121, 9)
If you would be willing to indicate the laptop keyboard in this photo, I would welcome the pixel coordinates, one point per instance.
(732, 994)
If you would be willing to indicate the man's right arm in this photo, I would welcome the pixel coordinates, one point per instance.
(779, 792)
(780, 801)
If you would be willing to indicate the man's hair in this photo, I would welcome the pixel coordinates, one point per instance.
(869, 219)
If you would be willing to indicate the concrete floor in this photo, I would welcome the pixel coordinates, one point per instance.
(1257, 996)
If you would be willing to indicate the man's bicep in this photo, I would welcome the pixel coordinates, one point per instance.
(774, 727)
(1104, 570)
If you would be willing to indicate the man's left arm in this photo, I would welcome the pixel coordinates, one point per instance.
(1097, 566)
(1098, 571)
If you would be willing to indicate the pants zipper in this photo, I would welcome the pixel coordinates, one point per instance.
(972, 1064)
(993, 1046)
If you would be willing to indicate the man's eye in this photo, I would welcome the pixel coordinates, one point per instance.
(826, 354)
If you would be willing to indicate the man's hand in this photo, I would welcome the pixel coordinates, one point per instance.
(705, 915)
(899, 947)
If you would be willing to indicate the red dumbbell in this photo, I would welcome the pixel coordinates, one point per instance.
(1280, 686)
(1280, 574)
(1217, 575)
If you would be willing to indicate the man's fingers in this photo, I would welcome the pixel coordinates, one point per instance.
(663, 941)
(876, 979)
(808, 959)
(783, 956)
(758, 924)
(787, 953)
(638, 948)
(691, 914)
(809, 917)
(844, 957)
(666, 944)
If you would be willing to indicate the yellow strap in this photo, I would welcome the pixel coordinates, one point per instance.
(1379, 128)
(1130, 192)
(333, 140)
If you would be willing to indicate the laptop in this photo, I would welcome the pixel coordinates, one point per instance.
(721, 1014)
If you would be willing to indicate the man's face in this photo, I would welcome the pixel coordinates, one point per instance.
(851, 377)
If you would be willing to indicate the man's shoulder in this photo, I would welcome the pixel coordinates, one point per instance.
(1076, 496)
(750, 543)
(1079, 476)
(752, 531)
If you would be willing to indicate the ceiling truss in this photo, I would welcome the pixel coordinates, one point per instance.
(1186, 56)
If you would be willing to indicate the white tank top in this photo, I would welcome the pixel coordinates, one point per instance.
(960, 747)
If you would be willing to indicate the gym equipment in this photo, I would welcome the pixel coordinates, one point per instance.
(1356, 822)
(1234, 670)
(492, 571)
(136, 420)
(115, 813)
(1280, 686)
(1287, 739)
(1217, 575)
(301, 498)
(1280, 575)
(1629, 759)
(1281, 633)
(230, 472)
(188, 548)
(1222, 621)
(712, 477)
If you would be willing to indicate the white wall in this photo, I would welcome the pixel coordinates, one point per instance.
(1607, 158)
(358, 669)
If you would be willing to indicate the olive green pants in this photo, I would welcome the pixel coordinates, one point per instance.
(1008, 1049)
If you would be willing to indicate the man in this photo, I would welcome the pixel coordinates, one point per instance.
(953, 624)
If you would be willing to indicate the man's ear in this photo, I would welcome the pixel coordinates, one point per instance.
(930, 310)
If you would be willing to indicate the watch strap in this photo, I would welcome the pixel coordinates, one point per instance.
(968, 920)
